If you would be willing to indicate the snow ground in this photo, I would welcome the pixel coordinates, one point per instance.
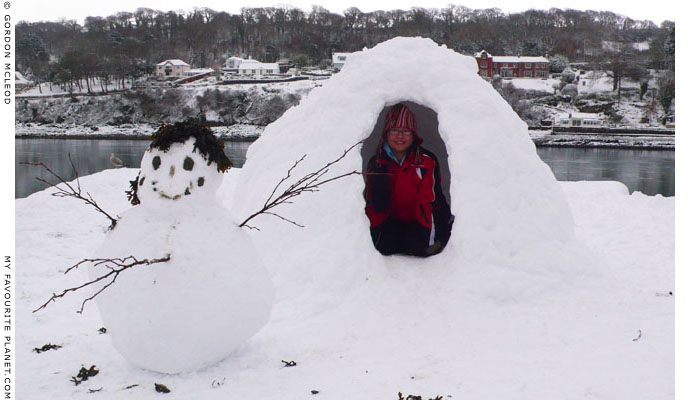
(404, 329)
(589, 83)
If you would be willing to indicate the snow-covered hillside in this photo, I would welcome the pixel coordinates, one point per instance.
(222, 104)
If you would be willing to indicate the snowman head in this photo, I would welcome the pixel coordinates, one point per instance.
(183, 161)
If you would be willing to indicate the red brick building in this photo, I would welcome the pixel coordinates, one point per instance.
(511, 66)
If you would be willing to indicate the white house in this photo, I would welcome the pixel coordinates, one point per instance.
(588, 120)
(339, 60)
(171, 69)
(257, 68)
(232, 64)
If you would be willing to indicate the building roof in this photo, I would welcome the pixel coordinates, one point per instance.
(340, 54)
(19, 78)
(580, 115)
(518, 59)
(173, 62)
(254, 64)
(512, 59)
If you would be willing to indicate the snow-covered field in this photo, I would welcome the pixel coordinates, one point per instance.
(608, 335)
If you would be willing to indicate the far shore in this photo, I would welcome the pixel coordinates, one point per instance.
(249, 133)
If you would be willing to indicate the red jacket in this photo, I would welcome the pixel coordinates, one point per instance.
(409, 192)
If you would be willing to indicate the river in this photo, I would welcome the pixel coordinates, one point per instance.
(648, 171)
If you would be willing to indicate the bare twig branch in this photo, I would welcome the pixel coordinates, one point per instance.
(308, 183)
(284, 219)
(71, 191)
(115, 265)
(639, 335)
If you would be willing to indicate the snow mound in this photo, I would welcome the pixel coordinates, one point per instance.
(511, 215)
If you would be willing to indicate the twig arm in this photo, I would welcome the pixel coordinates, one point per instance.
(308, 183)
(116, 267)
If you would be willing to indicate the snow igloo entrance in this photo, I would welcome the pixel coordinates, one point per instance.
(427, 130)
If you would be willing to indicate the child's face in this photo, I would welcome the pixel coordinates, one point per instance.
(399, 140)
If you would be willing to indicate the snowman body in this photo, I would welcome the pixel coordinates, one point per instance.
(209, 298)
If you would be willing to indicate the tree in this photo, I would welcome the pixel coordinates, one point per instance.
(670, 47)
(568, 76)
(531, 48)
(558, 64)
(569, 90)
(667, 90)
(301, 60)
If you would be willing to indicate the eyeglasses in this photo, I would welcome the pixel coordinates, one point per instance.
(400, 132)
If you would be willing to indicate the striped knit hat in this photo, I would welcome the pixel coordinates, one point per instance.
(400, 117)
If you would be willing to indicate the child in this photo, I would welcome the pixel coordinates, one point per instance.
(406, 208)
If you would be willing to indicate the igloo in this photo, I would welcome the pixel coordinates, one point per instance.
(510, 211)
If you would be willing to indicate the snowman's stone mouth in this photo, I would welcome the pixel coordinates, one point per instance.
(175, 197)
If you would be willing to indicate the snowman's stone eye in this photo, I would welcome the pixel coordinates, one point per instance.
(200, 182)
(187, 192)
(141, 181)
(188, 164)
(156, 162)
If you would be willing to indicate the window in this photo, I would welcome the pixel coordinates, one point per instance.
(528, 65)
(577, 122)
(506, 73)
(484, 64)
(482, 73)
(541, 74)
(341, 58)
(528, 74)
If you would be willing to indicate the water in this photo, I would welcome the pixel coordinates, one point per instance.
(88, 155)
(648, 171)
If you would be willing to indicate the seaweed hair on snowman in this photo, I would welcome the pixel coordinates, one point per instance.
(178, 162)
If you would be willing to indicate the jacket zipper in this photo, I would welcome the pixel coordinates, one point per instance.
(424, 214)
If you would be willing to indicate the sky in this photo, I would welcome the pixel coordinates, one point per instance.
(33, 10)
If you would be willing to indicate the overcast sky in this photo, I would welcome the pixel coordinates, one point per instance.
(51, 10)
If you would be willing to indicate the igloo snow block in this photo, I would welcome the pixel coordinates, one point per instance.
(211, 295)
(510, 210)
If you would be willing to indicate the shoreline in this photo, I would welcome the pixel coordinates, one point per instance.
(249, 133)
(120, 137)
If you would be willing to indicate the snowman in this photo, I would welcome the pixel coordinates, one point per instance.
(213, 293)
